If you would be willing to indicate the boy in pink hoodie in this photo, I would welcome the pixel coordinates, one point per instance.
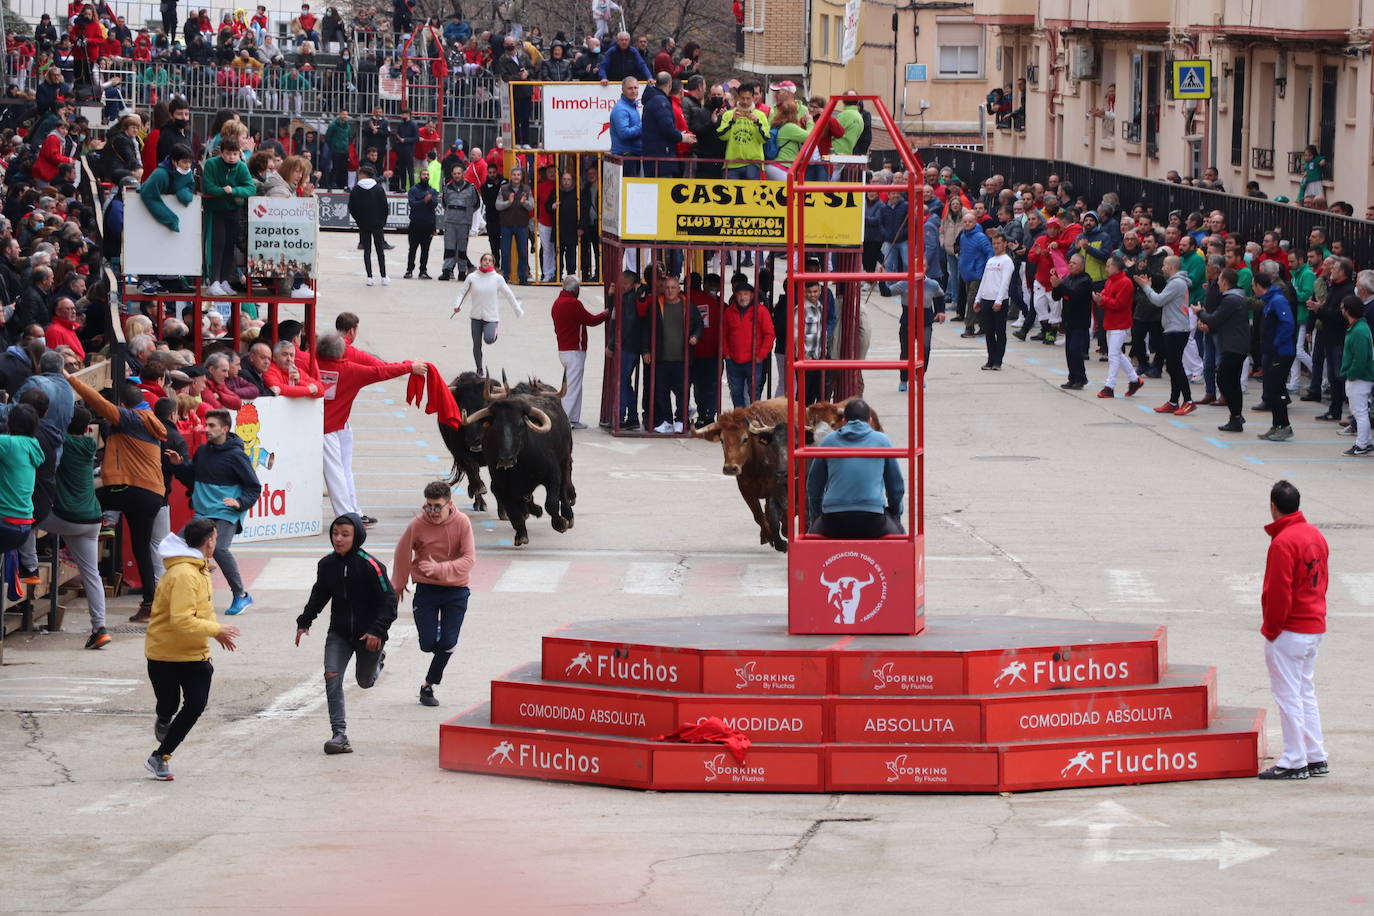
(437, 551)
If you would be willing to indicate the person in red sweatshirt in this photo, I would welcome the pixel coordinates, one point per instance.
(570, 322)
(747, 337)
(1117, 300)
(1294, 604)
(62, 331)
(50, 159)
(437, 551)
(285, 378)
(342, 381)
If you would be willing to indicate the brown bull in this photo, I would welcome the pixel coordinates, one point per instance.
(748, 460)
(832, 415)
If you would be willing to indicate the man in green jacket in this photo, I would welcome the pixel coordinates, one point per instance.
(1357, 368)
(338, 138)
(225, 186)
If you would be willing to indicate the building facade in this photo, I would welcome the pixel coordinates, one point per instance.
(930, 62)
(1095, 78)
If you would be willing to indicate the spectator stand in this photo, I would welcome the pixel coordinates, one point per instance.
(722, 226)
(21, 615)
(160, 306)
(1249, 216)
(896, 600)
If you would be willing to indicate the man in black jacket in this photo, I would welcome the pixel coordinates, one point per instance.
(702, 107)
(362, 607)
(404, 136)
(177, 130)
(1340, 283)
(34, 306)
(1230, 325)
(368, 206)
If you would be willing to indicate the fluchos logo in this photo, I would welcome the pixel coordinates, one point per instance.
(1014, 672)
(621, 669)
(561, 760)
(1062, 672)
(856, 586)
(1115, 761)
(579, 664)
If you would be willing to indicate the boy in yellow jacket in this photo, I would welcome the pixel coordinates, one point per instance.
(178, 643)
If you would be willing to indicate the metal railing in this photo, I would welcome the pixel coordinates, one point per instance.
(1247, 217)
(1262, 159)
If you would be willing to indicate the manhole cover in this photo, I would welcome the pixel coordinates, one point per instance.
(1006, 458)
(126, 629)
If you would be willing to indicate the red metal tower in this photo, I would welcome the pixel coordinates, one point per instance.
(871, 586)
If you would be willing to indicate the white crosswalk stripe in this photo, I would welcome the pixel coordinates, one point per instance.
(764, 579)
(653, 579)
(532, 576)
(1132, 586)
(1360, 586)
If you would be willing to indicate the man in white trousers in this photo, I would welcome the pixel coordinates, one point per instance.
(346, 323)
(570, 322)
(343, 380)
(1294, 604)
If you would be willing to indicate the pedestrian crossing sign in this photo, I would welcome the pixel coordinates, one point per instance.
(1192, 79)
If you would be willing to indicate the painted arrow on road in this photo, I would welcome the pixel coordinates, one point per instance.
(1101, 819)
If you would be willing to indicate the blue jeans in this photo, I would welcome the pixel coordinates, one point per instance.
(521, 236)
(439, 612)
(338, 649)
(952, 277)
(895, 262)
(12, 535)
(744, 390)
(1210, 357)
(747, 172)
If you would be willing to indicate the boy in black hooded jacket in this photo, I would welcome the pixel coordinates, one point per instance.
(362, 607)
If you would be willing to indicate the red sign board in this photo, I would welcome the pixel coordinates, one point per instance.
(623, 666)
(856, 586)
(573, 709)
(905, 769)
(543, 757)
(773, 675)
(907, 722)
(898, 675)
(1026, 670)
(715, 769)
(763, 720)
(1075, 715)
(1130, 760)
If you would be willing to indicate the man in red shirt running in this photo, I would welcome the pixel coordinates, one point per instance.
(1294, 603)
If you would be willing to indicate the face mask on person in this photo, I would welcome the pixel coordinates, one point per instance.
(185, 171)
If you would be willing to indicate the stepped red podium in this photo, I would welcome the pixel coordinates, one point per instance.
(973, 704)
(856, 690)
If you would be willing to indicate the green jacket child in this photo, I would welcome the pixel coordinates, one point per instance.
(167, 179)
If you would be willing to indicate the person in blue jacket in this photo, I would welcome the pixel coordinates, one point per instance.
(1279, 339)
(627, 127)
(974, 251)
(423, 201)
(223, 488)
(855, 498)
(623, 60)
(659, 135)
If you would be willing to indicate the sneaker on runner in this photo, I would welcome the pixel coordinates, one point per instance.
(160, 765)
(427, 697)
(1135, 386)
(100, 638)
(1185, 408)
(239, 605)
(338, 745)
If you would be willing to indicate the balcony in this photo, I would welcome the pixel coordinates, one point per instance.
(1260, 16)
(1005, 12)
(1105, 14)
(1261, 159)
(1295, 165)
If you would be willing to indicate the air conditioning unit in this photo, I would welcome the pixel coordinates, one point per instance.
(1083, 64)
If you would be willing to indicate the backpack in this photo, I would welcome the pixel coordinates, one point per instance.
(770, 145)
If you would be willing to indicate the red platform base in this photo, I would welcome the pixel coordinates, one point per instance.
(972, 705)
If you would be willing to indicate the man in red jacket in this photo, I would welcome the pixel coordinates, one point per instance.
(342, 381)
(1294, 603)
(570, 322)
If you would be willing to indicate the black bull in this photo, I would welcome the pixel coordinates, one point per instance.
(526, 442)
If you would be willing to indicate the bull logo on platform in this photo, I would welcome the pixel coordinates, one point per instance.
(856, 586)
(1079, 763)
(1014, 672)
(714, 766)
(501, 753)
(579, 664)
(894, 766)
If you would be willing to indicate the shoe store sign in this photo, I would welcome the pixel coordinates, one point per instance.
(281, 236)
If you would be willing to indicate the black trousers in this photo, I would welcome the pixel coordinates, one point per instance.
(994, 322)
(338, 176)
(420, 237)
(1228, 381)
(873, 254)
(856, 526)
(1276, 386)
(669, 384)
(373, 238)
(1144, 341)
(1075, 348)
(494, 237)
(1175, 342)
(224, 239)
(182, 689)
(139, 508)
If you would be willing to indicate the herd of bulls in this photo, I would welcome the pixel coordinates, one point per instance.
(521, 435)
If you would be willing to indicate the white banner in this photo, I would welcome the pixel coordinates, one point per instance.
(284, 439)
(577, 116)
(281, 236)
(152, 248)
(851, 31)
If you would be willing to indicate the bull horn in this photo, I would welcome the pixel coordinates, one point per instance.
(492, 391)
(539, 421)
(563, 390)
(478, 417)
(866, 583)
(757, 428)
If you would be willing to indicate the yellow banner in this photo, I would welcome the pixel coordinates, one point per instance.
(732, 211)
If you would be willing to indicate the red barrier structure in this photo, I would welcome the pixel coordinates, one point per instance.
(835, 586)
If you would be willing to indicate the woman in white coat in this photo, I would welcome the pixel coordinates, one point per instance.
(485, 289)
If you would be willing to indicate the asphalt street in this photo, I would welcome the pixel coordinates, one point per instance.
(1041, 503)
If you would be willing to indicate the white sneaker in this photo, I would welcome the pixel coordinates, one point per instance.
(216, 289)
(369, 281)
(677, 427)
(386, 281)
(665, 427)
(302, 292)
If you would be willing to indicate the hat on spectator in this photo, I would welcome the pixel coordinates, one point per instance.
(1053, 221)
(194, 372)
(785, 84)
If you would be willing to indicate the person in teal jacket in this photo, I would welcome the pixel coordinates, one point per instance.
(1357, 368)
(173, 175)
(225, 186)
(855, 498)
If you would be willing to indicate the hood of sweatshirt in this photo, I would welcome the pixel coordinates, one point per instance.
(174, 550)
(854, 432)
(367, 184)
